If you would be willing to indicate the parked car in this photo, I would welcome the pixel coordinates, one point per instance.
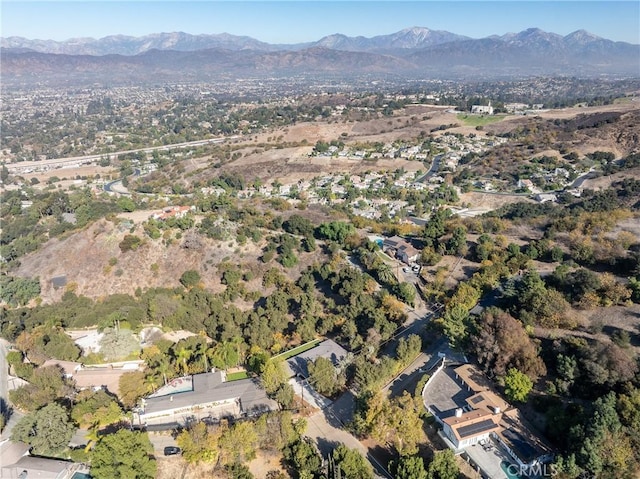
(171, 450)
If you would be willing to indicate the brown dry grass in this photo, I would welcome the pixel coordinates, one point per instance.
(175, 467)
(84, 258)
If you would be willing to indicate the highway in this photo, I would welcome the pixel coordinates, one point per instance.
(87, 159)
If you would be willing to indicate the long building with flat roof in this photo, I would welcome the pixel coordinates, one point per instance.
(204, 394)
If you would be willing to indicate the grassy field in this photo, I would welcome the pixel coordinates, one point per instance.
(622, 101)
(479, 120)
(237, 376)
(300, 349)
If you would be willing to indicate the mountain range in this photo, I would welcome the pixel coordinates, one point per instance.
(410, 52)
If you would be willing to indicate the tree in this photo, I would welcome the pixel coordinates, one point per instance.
(238, 470)
(501, 342)
(46, 385)
(190, 278)
(126, 204)
(454, 321)
(517, 385)
(303, 457)
(607, 364)
(198, 444)
(47, 430)
(238, 443)
(352, 463)
(408, 348)
(273, 375)
(227, 353)
(4, 173)
(601, 445)
(410, 467)
(443, 466)
(18, 291)
(404, 422)
(95, 408)
(406, 292)
(118, 343)
(385, 273)
(335, 231)
(130, 243)
(285, 396)
(435, 227)
(298, 225)
(323, 376)
(47, 341)
(132, 387)
(458, 242)
(123, 455)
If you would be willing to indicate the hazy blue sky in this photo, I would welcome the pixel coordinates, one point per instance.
(300, 21)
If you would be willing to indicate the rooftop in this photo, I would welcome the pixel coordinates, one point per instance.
(40, 467)
(518, 434)
(445, 394)
(326, 349)
(208, 388)
(89, 377)
(472, 423)
(467, 391)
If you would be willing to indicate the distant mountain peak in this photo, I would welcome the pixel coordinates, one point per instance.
(415, 30)
(582, 36)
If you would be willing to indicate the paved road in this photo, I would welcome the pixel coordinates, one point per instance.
(160, 440)
(326, 431)
(435, 166)
(21, 166)
(116, 186)
(13, 415)
(4, 377)
(424, 362)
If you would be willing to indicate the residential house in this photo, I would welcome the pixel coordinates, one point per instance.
(482, 109)
(544, 197)
(329, 349)
(299, 373)
(468, 428)
(474, 413)
(16, 463)
(206, 393)
(172, 212)
(525, 183)
(93, 377)
(401, 249)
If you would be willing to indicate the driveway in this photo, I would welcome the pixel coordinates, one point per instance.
(12, 415)
(324, 428)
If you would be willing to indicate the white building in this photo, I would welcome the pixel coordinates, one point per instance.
(482, 109)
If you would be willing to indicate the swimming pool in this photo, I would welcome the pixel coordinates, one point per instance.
(509, 470)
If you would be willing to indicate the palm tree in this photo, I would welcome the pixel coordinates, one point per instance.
(151, 381)
(163, 367)
(93, 434)
(183, 355)
(385, 274)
